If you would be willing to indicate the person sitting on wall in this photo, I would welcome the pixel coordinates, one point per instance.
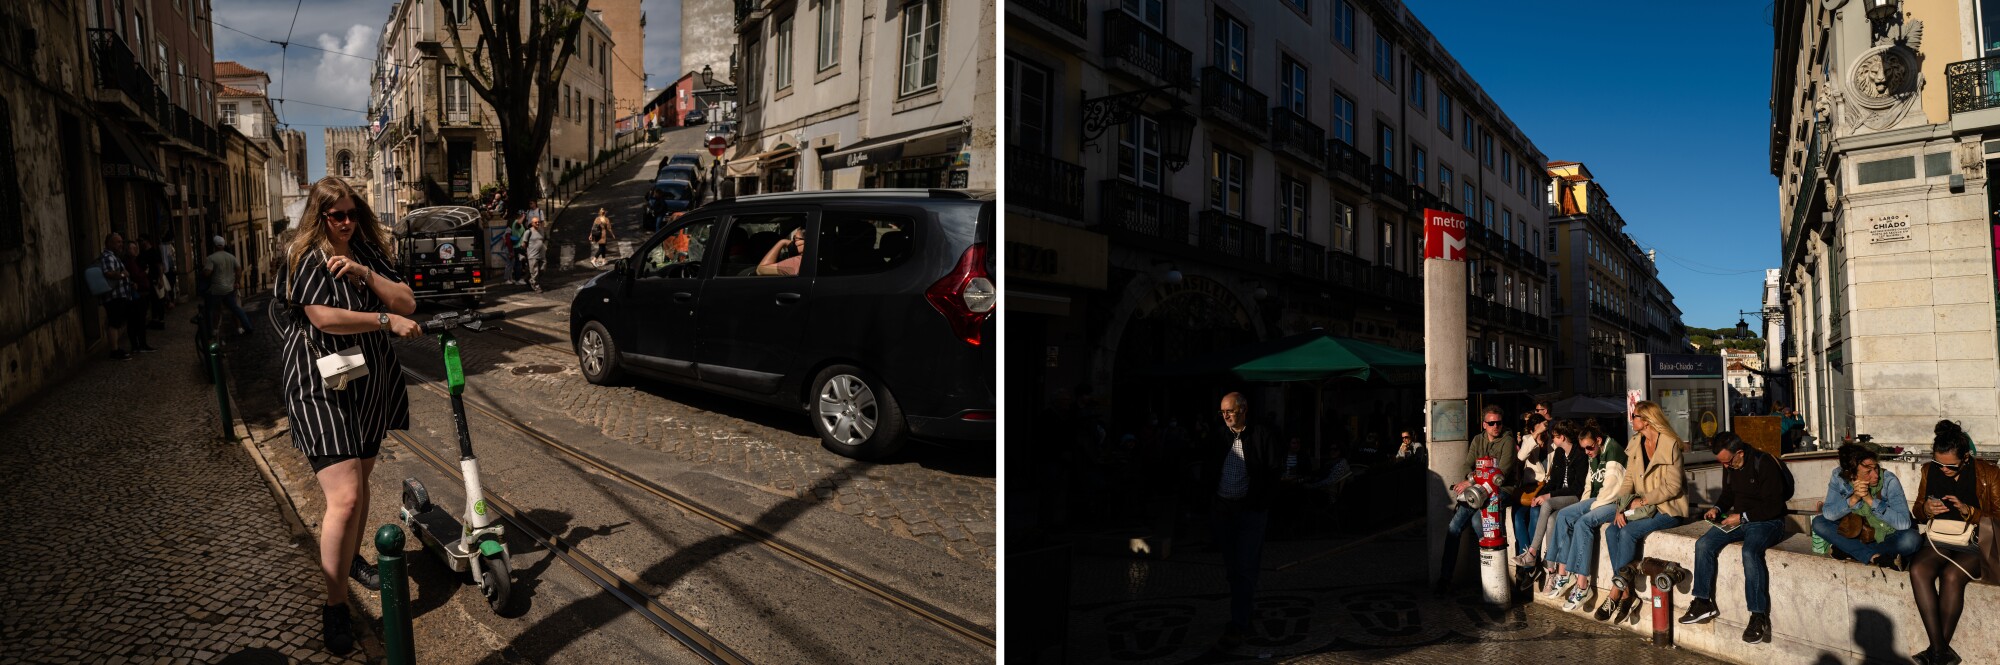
(1865, 515)
(1751, 510)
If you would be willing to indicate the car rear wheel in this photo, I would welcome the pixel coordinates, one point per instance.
(855, 415)
(597, 354)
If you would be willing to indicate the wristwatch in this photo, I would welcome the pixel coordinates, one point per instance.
(383, 318)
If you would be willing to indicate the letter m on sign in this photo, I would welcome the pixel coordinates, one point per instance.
(1444, 235)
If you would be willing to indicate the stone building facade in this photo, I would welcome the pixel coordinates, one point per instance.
(708, 37)
(347, 150)
(839, 94)
(1234, 172)
(1883, 122)
(1608, 298)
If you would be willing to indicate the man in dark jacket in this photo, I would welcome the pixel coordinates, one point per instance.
(1492, 441)
(1251, 460)
(1751, 510)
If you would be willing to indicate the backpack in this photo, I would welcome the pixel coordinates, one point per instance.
(1786, 483)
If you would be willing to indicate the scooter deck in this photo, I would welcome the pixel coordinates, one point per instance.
(442, 531)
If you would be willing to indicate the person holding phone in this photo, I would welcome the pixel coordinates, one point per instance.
(783, 258)
(1954, 486)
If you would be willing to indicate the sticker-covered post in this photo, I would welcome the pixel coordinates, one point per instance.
(1447, 419)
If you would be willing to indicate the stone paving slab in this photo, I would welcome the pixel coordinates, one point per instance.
(132, 533)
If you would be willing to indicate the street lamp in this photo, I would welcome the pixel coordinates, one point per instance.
(1879, 10)
(1174, 144)
(707, 76)
(1487, 279)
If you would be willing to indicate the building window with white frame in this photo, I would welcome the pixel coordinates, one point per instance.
(1385, 146)
(1444, 112)
(1444, 181)
(1388, 257)
(229, 113)
(781, 41)
(1343, 226)
(1385, 60)
(1292, 86)
(1149, 12)
(923, 25)
(1292, 199)
(1343, 119)
(1231, 49)
(1226, 178)
(1343, 24)
(753, 64)
(1139, 152)
(1417, 84)
(1418, 167)
(1467, 126)
(829, 34)
(1029, 111)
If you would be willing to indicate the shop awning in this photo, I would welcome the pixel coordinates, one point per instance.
(752, 165)
(125, 159)
(885, 149)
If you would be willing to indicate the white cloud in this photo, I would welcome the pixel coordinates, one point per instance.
(339, 80)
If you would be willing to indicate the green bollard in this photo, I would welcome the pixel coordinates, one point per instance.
(397, 635)
(221, 390)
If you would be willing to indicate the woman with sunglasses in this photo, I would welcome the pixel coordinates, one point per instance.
(1568, 470)
(1865, 515)
(783, 258)
(1659, 501)
(1954, 486)
(343, 292)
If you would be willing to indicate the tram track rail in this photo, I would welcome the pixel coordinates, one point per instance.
(626, 591)
(952, 623)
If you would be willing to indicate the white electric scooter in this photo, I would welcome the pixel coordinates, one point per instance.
(476, 545)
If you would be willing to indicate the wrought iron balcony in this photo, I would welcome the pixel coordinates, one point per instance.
(1297, 256)
(1066, 14)
(1294, 135)
(1344, 159)
(1391, 184)
(1423, 198)
(1134, 209)
(1394, 285)
(1228, 235)
(1143, 51)
(1971, 85)
(1045, 183)
(117, 69)
(1348, 270)
(1234, 102)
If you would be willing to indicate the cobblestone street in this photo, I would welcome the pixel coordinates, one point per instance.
(133, 534)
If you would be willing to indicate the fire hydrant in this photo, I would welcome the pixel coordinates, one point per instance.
(1663, 576)
(1493, 563)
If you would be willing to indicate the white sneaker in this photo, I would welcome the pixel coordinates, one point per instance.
(1562, 584)
(1580, 597)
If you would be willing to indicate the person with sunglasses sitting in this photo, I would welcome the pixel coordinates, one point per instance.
(1954, 486)
(1492, 441)
(1865, 515)
(1573, 549)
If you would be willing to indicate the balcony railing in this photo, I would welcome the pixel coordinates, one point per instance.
(1972, 85)
(1047, 184)
(1066, 14)
(1230, 100)
(1396, 286)
(1348, 270)
(1423, 198)
(1345, 159)
(1229, 235)
(1391, 184)
(1135, 209)
(1298, 256)
(118, 70)
(1297, 136)
(1141, 49)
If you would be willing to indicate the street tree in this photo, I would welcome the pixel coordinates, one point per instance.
(519, 74)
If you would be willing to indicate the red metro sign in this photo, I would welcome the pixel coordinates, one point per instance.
(1444, 235)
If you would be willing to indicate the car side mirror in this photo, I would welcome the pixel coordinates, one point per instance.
(622, 266)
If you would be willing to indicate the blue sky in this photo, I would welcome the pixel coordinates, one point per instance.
(1668, 104)
(353, 27)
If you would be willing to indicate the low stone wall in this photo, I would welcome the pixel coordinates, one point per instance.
(1822, 610)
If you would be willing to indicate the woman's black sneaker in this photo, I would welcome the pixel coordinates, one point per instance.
(1605, 609)
(336, 629)
(1624, 609)
(365, 574)
(1946, 656)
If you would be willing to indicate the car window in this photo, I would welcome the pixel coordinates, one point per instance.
(764, 245)
(862, 243)
(679, 254)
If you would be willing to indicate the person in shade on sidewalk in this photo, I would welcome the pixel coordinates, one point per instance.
(118, 302)
(1866, 516)
(223, 271)
(1750, 510)
(1248, 478)
(1656, 485)
(1493, 441)
(143, 278)
(343, 292)
(1574, 547)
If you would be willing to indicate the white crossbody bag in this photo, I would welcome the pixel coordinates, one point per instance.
(335, 369)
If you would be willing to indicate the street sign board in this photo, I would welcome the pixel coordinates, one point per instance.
(716, 145)
(1444, 235)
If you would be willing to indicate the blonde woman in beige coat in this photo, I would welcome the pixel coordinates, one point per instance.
(1654, 478)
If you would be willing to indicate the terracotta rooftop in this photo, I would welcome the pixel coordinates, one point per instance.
(233, 91)
(231, 68)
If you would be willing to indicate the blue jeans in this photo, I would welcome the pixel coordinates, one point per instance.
(1575, 541)
(217, 302)
(1524, 526)
(1756, 537)
(1904, 542)
(1239, 533)
(1464, 517)
(1624, 541)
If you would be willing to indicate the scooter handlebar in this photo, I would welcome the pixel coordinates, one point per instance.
(449, 320)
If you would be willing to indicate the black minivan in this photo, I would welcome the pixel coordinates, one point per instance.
(869, 310)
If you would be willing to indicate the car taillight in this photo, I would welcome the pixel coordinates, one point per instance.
(419, 277)
(977, 415)
(965, 296)
(475, 274)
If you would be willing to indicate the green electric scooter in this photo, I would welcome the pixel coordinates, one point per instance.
(477, 544)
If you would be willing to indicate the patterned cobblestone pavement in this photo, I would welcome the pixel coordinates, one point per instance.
(1364, 604)
(133, 534)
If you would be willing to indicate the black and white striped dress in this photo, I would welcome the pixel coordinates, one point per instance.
(350, 421)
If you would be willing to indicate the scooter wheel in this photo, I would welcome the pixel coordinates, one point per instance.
(495, 583)
(416, 499)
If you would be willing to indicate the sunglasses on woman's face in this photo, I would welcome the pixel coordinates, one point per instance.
(337, 215)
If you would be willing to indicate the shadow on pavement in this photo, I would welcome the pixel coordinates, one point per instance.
(549, 636)
(258, 656)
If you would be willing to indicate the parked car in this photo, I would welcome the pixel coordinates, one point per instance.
(668, 198)
(883, 329)
(695, 117)
(724, 128)
(684, 159)
(680, 172)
